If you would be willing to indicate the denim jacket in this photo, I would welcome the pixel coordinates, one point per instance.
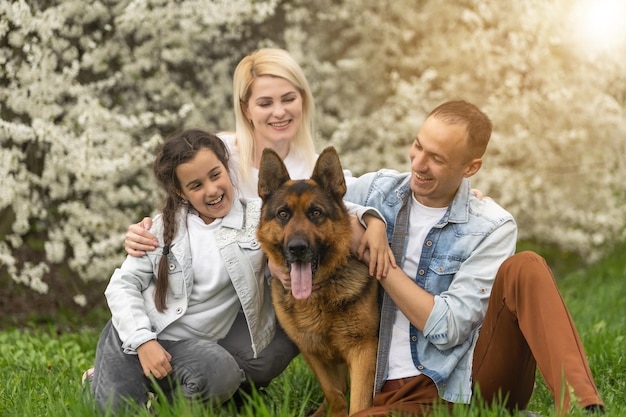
(458, 264)
(130, 293)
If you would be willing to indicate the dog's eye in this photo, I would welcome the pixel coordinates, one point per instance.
(283, 214)
(316, 213)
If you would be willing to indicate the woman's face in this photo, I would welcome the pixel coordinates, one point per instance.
(205, 183)
(275, 109)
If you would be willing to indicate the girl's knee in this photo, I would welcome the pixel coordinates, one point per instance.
(212, 384)
(214, 376)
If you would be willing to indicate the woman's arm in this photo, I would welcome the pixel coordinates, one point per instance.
(139, 240)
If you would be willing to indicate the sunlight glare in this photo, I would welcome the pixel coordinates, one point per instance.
(601, 24)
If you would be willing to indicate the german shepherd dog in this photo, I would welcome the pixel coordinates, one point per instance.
(331, 312)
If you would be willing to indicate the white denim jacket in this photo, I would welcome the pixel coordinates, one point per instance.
(130, 293)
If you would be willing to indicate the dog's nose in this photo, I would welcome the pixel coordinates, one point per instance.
(298, 246)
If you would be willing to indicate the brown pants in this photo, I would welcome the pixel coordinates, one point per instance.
(527, 325)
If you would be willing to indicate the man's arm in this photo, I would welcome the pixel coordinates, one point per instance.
(415, 303)
(456, 311)
(462, 306)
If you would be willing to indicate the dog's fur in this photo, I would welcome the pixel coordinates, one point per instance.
(333, 317)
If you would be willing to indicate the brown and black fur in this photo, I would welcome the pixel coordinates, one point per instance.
(336, 327)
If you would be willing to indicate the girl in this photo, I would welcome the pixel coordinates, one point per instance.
(203, 284)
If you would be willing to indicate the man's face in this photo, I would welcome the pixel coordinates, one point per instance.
(440, 159)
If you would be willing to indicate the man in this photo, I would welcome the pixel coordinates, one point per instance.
(461, 314)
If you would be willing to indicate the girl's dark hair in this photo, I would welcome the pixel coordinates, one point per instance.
(178, 149)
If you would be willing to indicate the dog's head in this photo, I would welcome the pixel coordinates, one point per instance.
(304, 223)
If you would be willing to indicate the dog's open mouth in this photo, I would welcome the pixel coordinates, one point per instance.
(302, 274)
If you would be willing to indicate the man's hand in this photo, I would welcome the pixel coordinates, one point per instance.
(371, 246)
(138, 239)
(154, 360)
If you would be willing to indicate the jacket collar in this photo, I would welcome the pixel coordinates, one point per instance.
(233, 220)
(458, 212)
(235, 217)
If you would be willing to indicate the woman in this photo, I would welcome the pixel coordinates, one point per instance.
(274, 108)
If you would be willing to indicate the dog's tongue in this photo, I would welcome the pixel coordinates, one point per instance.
(301, 280)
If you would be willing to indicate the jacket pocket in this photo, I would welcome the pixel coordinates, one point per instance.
(442, 272)
(252, 251)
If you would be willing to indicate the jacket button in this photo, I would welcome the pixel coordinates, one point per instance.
(420, 367)
(179, 310)
(421, 272)
(413, 338)
(172, 267)
(429, 243)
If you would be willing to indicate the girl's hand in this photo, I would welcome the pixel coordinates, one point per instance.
(154, 360)
(138, 239)
(371, 245)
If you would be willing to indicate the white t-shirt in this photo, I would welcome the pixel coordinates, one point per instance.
(421, 221)
(297, 168)
(213, 303)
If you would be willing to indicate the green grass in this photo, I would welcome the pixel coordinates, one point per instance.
(41, 367)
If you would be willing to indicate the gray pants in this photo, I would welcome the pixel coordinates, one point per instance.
(269, 363)
(201, 369)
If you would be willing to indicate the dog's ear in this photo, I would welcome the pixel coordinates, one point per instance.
(329, 174)
(272, 173)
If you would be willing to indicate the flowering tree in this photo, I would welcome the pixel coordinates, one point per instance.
(555, 93)
(89, 87)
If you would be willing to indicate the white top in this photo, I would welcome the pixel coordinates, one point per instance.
(298, 170)
(421, 220)
(213, 302)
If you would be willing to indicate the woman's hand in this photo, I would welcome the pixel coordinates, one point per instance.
(479, 194)
(138, 239)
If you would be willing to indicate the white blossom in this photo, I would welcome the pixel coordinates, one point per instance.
(90, 89)
(80, 299)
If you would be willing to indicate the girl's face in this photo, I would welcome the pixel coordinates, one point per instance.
(205, 183)
(275, 109)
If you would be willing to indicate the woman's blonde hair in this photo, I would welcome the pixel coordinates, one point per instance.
(272, 62)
